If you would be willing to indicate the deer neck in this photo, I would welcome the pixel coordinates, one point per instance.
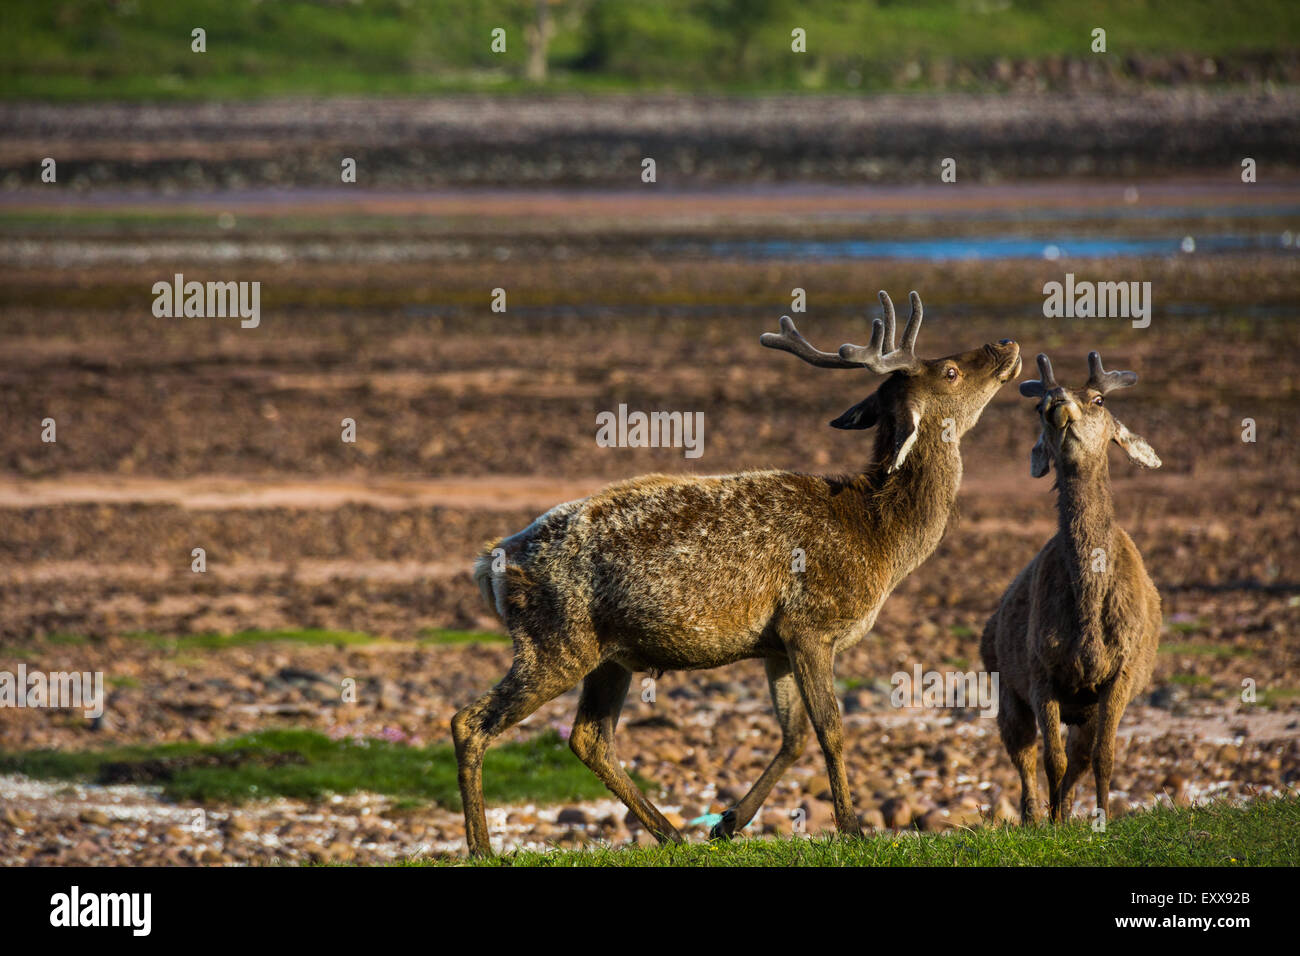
(911, 505)
(1087, 527)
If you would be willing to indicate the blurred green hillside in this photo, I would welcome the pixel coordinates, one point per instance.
(141, 48)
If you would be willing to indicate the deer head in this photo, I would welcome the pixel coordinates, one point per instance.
(1076, 423)
(919, 393)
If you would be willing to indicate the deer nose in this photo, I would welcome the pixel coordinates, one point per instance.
(1063, 412)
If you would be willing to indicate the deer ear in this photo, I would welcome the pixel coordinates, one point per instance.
(1135, 446)
(865, 414)
(1040, 460)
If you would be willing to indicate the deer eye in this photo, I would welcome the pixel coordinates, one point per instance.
(1098, 401)
(951, 373)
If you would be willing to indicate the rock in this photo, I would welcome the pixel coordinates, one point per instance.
(818, 786)
(96, 817)
(818, 816)
(964, 816)
(897, 813)
(730, 796)
(872, 820)
(1229, 754)
(1004, 811)
(1175, 785)
(671, 753)
(339, 851)
(933, 821)
(1167, 696)
(16, 818)
(572, 816)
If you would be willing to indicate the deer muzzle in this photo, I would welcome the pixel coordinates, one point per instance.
(1062, 413)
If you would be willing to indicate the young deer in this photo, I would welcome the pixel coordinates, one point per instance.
(681, 573)
(1074, 639)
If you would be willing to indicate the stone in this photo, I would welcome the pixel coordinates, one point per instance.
(818, 786)
(897, 813)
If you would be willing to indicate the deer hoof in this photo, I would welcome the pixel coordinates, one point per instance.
(724, 828)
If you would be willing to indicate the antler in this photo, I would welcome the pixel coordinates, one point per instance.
(789, 340)
(879, 354)
(1103, 381)
(1046, 379)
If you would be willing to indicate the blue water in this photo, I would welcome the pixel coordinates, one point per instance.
(996, 247)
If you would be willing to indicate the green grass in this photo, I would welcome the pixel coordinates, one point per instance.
(88, 49)
(1192, 680)
(441, 635)
(1200, 649)
(214, 642)
(1263, 833)
(1272, 696)
(309, 765)
(312, 636)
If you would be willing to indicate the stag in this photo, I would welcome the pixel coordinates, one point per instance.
(665, 573)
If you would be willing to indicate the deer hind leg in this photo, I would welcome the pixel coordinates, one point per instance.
(1049, 723)
(793, 720)
(1019, 736)
(1078, 754)
(814, 672)
(530, 682)
(1110, 707)
(592, 739)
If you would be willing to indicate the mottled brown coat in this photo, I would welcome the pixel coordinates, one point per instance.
(681, 573)
(1074, 639)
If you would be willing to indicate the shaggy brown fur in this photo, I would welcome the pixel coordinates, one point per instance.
(663, 573)
(1074, 639)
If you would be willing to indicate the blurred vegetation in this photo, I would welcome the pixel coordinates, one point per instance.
(141, 48)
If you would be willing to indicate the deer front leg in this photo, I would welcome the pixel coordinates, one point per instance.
(814, 673)
(793, 720)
